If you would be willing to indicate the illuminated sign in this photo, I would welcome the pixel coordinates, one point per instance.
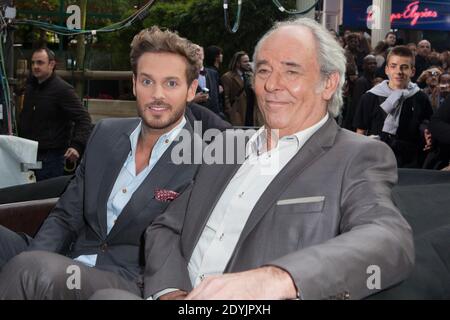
(411, 12)
(425, 15)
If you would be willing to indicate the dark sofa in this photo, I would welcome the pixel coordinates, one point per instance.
(422, 196)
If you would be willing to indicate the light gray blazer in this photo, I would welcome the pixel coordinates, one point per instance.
(325, 218)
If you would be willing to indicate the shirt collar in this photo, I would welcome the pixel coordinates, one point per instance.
(257, 145)
(167, 137)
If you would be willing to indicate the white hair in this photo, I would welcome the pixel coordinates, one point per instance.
(331, 57)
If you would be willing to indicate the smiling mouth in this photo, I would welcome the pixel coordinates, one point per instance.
(276, 103)
(158, 108)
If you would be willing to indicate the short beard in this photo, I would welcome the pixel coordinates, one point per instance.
(158, 123)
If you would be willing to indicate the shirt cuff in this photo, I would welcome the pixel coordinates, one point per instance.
(157, 295)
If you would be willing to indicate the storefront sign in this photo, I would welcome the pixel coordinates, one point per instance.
(424, 15)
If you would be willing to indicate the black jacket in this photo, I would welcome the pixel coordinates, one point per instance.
(212, 83)
(50, 110)
(421, 65)
(416, 112)
(440, 130)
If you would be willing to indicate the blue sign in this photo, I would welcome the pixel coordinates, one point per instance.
(406, 14)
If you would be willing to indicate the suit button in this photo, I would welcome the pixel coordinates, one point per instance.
(104, 247)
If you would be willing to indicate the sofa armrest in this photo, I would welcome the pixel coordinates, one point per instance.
(26, 216)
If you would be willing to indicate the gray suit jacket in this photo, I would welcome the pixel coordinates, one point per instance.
(341, 220)
(77, 225)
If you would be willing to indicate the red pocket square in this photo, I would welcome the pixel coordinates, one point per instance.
(165, 195)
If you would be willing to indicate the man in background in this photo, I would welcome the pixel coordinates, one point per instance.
(239, 95)
(208, 90)
(53, 116)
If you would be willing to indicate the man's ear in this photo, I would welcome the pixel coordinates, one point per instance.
(134, 85)
(413, 71)
(330, 87)
(52, 64)
(192, 90)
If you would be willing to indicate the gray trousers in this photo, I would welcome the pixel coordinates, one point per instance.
(114, 294)
(11, 244)
(38, 275)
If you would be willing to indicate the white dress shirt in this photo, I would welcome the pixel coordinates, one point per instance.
(225, 225)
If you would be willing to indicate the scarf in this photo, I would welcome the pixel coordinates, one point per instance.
(393, 103)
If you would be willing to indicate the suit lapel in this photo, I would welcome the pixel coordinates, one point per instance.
(209, 195)
(112, 170)
(312, 150)
(158, 178)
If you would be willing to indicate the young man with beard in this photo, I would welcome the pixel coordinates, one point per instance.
(94, 238)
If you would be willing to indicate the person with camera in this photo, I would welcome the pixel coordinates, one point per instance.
(397, 111)
(209, 88)
(438, 86)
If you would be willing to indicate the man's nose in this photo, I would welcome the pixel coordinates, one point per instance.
(273, 82)
(157, 92)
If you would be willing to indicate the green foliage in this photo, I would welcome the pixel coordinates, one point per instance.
(201, 21)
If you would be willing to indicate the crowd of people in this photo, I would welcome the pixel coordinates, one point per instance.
(412, 126)
(135, 224)
(403, 106)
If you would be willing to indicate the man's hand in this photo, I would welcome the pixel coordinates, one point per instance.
(258, 284)
(72, 155)
(201, 97)
(423, 76)
(434, 99)
(175, 295)
(428, 140)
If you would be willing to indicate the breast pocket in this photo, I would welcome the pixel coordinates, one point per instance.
(297, 219)
(301, 205)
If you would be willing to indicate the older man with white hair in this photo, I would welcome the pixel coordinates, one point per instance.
(319, 225)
